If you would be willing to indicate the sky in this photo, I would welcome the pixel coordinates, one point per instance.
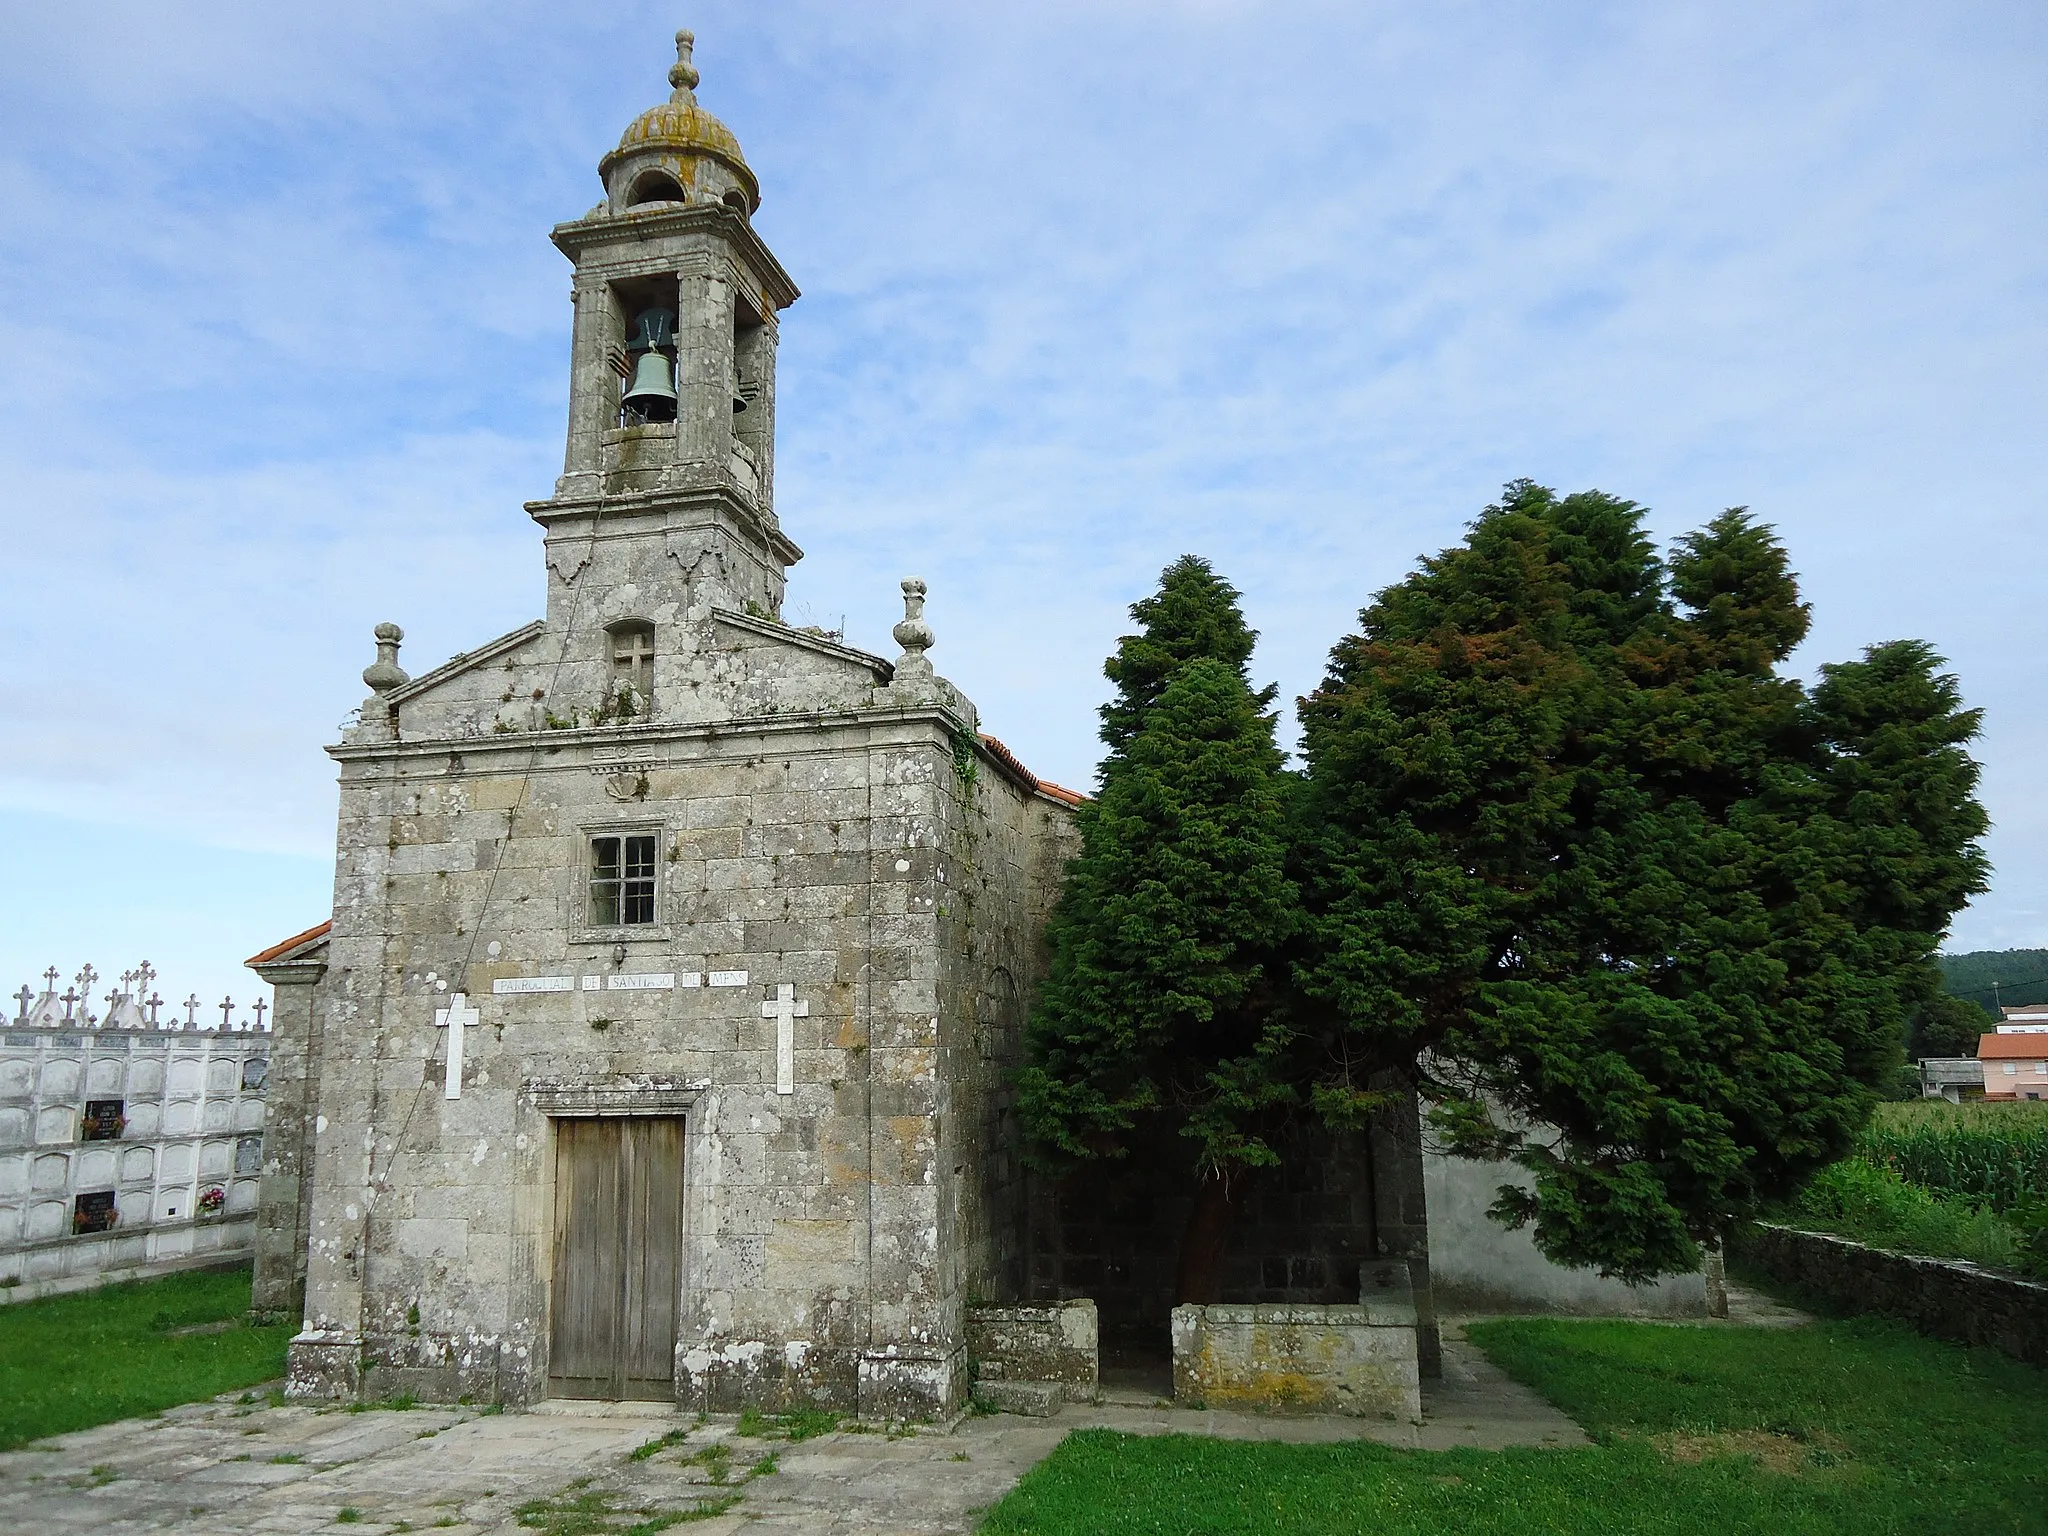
(1296, 287)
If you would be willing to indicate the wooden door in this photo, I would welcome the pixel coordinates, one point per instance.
(618, 1257)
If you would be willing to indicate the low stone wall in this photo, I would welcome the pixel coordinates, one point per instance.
(1943, 1297)
(59, 1265)
(1303, 1359)
(1054, 1341)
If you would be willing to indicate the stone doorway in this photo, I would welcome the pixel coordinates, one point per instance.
(618, 1257)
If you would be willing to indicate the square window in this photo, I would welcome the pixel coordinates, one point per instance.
(622, 880)
(104, 1119)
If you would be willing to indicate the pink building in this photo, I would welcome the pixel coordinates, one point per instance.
(2015, 1063)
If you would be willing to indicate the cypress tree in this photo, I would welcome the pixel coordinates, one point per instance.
(1575, 847)
(1160, 1012)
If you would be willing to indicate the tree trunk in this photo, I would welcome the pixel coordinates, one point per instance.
(1206, 1239)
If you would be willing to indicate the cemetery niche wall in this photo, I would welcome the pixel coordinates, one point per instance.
(131, 1140)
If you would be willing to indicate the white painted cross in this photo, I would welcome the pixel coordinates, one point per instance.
(785, 1010)
(453, 1018)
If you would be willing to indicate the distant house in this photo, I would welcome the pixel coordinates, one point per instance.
(2032, 1019)
(1954, 1078)
(2015, 1062)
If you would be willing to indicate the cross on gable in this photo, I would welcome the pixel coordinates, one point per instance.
(453, 1018)
(785, 1010)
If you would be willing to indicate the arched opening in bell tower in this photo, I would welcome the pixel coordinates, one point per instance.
(656, 187)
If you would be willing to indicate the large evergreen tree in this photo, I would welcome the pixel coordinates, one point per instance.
(1160, 1012)
(1573, 846)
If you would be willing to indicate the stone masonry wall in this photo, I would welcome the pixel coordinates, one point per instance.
(1943, 1297)
(800, 850)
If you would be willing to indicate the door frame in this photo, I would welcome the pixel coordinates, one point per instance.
(605, 1099)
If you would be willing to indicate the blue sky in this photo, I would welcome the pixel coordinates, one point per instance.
(1296, 287)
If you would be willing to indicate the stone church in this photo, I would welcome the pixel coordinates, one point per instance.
(654, 1045)
(657, 1046)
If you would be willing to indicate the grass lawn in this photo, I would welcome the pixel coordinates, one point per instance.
(1857, 1427)
(69, 1362)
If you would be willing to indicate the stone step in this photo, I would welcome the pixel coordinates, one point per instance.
(1033, 1399)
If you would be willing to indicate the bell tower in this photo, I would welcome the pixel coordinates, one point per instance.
(671, 437)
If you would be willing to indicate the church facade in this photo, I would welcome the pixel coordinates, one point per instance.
(656, 1046)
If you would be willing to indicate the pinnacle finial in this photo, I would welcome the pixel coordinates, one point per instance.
(913, 633)
(385, 674)
(684, 76)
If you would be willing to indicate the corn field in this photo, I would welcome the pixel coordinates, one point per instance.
(1993, 1154)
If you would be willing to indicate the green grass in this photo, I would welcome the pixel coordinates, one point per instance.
(1850, 1428)
(70, 1362)
(797, 1424)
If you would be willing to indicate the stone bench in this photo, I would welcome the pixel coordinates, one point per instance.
(1305, 1359)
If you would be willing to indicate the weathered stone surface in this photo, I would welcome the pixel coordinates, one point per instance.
(1947, 1298)
(1053, 1341)
(227, 1468)
(1033, 1399)
(1317, 1359)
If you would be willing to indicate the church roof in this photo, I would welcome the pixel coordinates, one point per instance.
(279, 950)
(1026, 777)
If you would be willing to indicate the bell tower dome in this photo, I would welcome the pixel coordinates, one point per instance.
(672, 374)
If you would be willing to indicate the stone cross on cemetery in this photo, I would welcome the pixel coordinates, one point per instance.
(24, 997)
(192, 1011)
(785, 1010)
(227, 1008)
(454, 1018)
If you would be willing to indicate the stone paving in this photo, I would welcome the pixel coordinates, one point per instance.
(230, 1467)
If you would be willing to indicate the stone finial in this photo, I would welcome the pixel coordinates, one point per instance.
(385, 674)
(913, 634)
(683, 75)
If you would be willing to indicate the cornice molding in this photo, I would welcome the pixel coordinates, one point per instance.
(590, 234)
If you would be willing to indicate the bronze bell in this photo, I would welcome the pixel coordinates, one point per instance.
(654, 383)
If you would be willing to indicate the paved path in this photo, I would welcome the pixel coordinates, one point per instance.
(232, 1468)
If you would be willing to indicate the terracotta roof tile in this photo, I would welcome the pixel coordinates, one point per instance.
(318, 930)
(2013, 1047)
(1045, 787)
